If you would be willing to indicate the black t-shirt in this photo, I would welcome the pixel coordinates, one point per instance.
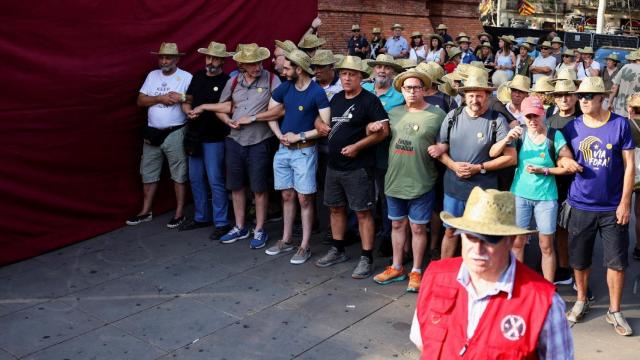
(349, 120)
(558, 122)
(206, 90)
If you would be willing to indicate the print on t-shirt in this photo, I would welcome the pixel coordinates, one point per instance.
(340, 120)
(595, 153)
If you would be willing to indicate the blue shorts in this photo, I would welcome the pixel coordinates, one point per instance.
(252, 161)
(296, 169)
(453, 206)
(418, 210)
(544, 211)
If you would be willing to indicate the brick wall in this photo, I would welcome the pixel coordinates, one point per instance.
(338, 16)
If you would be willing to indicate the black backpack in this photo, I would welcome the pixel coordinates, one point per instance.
(456, 115)
(551, 134)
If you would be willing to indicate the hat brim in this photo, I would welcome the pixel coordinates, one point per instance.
(222, 54)
(447, 90)
(159, 53)
(399, 80)
(263, 54)
(395, 66)
(507, 40)
(605, 92)
(482, 228)
(307, 69)
(476, 88)
(485, 34)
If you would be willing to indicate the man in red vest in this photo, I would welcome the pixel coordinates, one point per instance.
(487, 304)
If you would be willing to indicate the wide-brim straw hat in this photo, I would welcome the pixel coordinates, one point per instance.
(479, 65)
(463, 39)
(286, 45)
(301, 59)
(215, 49)
(557, 40)
(442, 27)
(613, 56)
(411, 73)
(355, 27)
(587, 50)
(397, 26)
(531, 40)
(453, 52)
(446, 88)
(251, 53)
(376, 31)
(568, 52)
(526, 46)
(386, 59)
(407, 63)
(504, 93)
(510, 39)
(449, 43)
(566, 73)
(592, 85)
(416, 34)
(633, 100)
(324, 57)
(460, 35)
(484, 33)
(520, 82)
(436, 36)
(633, 56)
(476, 80)
(487, 212)
(311, 41)
(542, 85)
(486, 44)
(167, 48)
(545, 44)
(433, 70)
(564, 87)
(352, 63)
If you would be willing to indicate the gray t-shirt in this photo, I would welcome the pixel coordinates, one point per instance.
(471, 140)
(250, 99)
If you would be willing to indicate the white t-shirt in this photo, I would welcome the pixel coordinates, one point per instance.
(159, 115)
(582, 74)
(516, 114)
(540, 61)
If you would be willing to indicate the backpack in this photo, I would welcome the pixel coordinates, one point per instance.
(456, 115)
(551, 134)
(234, 83)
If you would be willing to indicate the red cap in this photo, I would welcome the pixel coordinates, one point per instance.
(532, 105)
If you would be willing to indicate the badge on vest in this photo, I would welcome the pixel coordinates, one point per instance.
(513, 327)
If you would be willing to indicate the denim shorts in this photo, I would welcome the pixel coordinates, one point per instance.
(453, 206)
(253, 161)
(296, 169)
(544, 211)
(418, 210)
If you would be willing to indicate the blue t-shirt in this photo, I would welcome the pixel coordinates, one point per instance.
(301, 107)
(599, 150)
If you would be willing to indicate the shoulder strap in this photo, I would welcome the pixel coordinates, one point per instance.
(551, 135)
(271, 76)
(452, 121)
(234, 83)
(494, 126)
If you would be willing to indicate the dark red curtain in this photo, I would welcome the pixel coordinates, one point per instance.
(69, 127)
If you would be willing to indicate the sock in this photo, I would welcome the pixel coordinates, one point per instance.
(368, 254)
(419, 271)
(339, 244)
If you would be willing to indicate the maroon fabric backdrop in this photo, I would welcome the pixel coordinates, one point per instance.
(70, 129)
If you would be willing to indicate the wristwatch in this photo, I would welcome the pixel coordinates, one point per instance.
(303, 137)
(482, 169)
(253, 118)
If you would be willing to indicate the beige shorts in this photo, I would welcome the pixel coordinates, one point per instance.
(153, 157)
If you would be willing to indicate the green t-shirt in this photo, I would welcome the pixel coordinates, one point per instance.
(412, 172)
(536, 186)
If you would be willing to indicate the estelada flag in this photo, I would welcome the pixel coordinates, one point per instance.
(525, 8)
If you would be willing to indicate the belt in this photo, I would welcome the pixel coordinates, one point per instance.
(301, 145)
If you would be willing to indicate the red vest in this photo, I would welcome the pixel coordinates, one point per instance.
(508, 328)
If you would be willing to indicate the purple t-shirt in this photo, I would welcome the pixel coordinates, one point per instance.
(599, 150)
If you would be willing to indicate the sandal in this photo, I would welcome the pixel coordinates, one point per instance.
(577, 311)
(619, 323)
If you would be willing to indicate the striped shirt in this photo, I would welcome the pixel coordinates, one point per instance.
(555, 340)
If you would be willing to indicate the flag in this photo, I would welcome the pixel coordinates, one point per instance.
(525, 8)
(485, 7)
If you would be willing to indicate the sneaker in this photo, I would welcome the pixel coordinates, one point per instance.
(415, 278)
(193, 224)
(636, 253)
(219, 232)
(280, 247)
(363, 270)
(135, 220)
(175, 222)
(563, 276)
(590, 296)
(577, 311)
(234, 235)
(301, 256)
(332, 257)
(259, 240)
(620, 324)
(389, 275)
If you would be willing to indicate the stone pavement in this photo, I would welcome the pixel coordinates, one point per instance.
(148, 292)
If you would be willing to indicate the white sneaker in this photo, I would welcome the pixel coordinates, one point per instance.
(301, 256)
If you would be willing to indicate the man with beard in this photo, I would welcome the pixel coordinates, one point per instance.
(519, 87)
(295, 163)
(278, 57)
(385, 69)
(162, 92)
(442, 31)
(206, 156)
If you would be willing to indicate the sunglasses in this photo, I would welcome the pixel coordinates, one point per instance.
(586, 96)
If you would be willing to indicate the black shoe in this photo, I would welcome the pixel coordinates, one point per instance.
(192, 225)
(219, 232)
(135, 220)
(563, 276)
(175, 222)
(636, 254)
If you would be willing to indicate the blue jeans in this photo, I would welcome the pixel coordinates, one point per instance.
(209, 166)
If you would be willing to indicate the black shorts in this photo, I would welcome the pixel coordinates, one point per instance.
(583, 228)
(253, 161)
(355, 187)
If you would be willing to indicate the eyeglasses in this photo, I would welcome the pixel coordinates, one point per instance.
(588, 96)
(412, 88)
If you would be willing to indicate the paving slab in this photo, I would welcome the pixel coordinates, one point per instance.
(38, 327)
(105, 343)
(176, 323)
(6, 356)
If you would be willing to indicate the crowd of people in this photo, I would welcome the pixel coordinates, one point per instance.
(443, 148)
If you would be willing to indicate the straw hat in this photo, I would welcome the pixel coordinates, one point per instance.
(376, 31)
(520, 82)
(460, 35)
(476, 80)
(564, 87)
(286, 45)
(526, 46)
(486, 44)
(446, 88)
(479, 65)
(301, 59)
(311, 41)
(462, 72)
(453, 52)
(449, 43)
(352, 63)
(324, 57)
(504, 93)
(431, 36)
(463, 39)
(592, 85)
(557, 40)
(566, 73)
(489, 212)
(568, 52)
(532, 41)
(407, 63)
(442, 27)
(633, 56)
(411, 73)
(397, 26)
(542, 86)
(545, 44)
(613, 56)
(508, 39)
(633, 100)
(433, 70)
(167, 48)
(385, 59)
(484, 33)
(251, 53)
(355, 27)
(416, 34)
(587, 50)
(215, 49)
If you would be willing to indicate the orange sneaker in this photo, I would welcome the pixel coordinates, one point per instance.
(390, 275)
(414, 282)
